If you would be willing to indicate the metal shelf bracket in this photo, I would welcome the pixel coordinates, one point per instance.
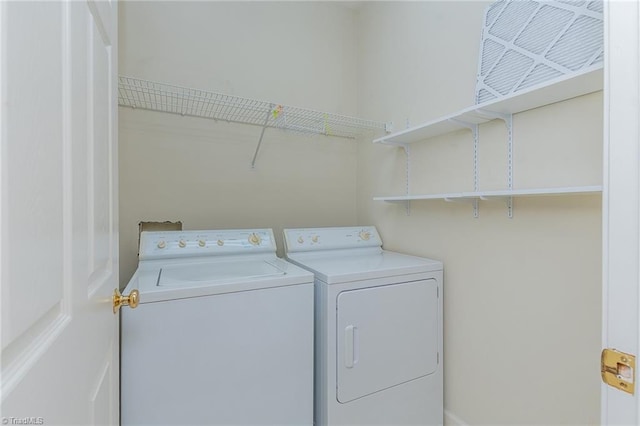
(407, 177)
(508, 121)
(476, 139)
(473, 201)
(388, 126)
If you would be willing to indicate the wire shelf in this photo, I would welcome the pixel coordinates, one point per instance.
(149, 95)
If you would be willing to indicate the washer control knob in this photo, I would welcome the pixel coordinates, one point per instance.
(162, 244)
(314, 238)
(220, 243)
(202, 243)
(182, 243)
(300, 240)
(365, 235)
(255, 239)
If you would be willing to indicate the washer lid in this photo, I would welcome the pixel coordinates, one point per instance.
(178, 279)
(339, 266)
(181, 275)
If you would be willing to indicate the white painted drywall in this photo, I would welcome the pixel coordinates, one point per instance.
(522, 295)
(198, 171)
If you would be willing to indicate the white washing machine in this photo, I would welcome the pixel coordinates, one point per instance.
(378, 339)
(223, 334)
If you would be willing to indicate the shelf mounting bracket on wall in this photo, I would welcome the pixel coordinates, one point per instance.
(408, 170)
(508, 122)
(472, 200)
(475, 132)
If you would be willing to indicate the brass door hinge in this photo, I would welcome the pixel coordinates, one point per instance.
(618, 370)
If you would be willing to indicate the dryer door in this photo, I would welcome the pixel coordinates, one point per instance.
(386, 336)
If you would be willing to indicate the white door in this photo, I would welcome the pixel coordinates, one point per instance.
(59, 247)
(385, 336)
(621, 201)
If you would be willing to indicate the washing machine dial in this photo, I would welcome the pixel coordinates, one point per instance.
(162, 244)
(220, 243)
(300, 240)
(314, 238)
(255, 239)
(202, 243)
(182, 243)
(365, 235)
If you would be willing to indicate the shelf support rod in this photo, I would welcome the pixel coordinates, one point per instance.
(508, 122)
(264, 127)
(474, 131)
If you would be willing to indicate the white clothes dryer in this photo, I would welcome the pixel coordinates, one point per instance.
(378, 328)
(223, 333)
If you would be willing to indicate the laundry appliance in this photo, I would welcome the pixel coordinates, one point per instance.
(378, 322)
(223, 333)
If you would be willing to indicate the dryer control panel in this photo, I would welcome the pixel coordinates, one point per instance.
(312, 239)
(172, 244)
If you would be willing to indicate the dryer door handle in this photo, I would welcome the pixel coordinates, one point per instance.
(350, 346)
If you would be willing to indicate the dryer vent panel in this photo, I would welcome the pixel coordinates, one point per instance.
(527, 42)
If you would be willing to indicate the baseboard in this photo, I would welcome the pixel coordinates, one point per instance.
(451, 419)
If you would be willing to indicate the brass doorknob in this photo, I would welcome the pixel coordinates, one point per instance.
(131, 300)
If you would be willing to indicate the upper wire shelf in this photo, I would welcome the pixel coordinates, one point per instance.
(144, 94)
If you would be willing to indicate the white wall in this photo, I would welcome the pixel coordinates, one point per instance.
(198, 171)
(522, 295)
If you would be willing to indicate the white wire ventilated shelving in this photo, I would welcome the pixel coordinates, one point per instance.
(154, 96)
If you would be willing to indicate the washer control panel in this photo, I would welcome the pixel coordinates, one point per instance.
(311, 239)
(171, 244)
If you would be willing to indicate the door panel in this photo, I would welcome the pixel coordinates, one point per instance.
(100, 155)
(58, 214)
(101, 397)
(32, 219)
(385, 336)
